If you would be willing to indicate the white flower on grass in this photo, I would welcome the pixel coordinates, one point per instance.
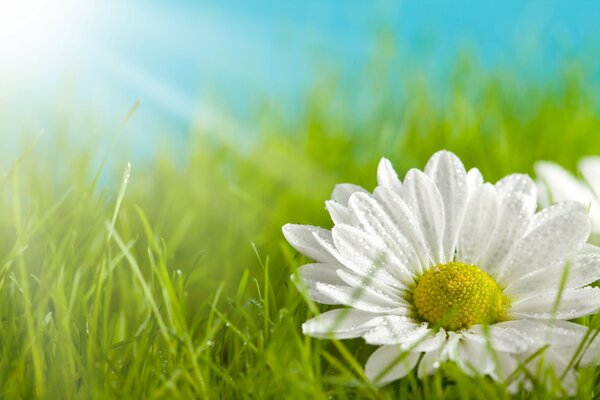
(557, 184)
(444, 267)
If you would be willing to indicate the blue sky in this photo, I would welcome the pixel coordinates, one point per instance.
(180, 57)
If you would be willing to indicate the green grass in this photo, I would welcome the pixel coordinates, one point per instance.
(176, 285)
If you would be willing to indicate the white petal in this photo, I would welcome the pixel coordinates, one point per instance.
(517, 194)
(474, 180)
(551, 212)
(397, 330)
(369, 256)
(367, 283)
(590, 169)
(433, 359)
(449, 175)
(550, 363)
(552, 241)
(375, 220)
(574, 303)
(344, 323)
(342, 192)
(480, 219)
(540, 333)
(310, 274)
(562, 186)
(389, 363)
(543, 194)
(361, 299)
(425, 201)
(474, 357)
(302, 238)
(339, 213)
(407, 223)
(581, 270)
(500, 338)
(386, 176)
(410, 337)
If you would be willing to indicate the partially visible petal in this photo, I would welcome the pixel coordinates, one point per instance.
(407, 223)
(366, 300)
(433, 359)
(399, 330)
(369, 256)
(481, 216)
(574, 303)
(425, 201)
(448, 173)
(551, 241)
(540, 333)
(339, 213)
(517, 194)
(474, 180)
(342, 192)
(310, 274)
(376, 221)
(343, 323)
(500, 338)
(474, 357)
(389, 363)
(302, 238)
(561, 184)
(387, 177)
(590, 169)
(579, 271)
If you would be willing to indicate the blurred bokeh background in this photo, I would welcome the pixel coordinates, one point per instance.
(217, 65)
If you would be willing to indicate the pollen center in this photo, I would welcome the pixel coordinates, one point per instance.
(456, 295)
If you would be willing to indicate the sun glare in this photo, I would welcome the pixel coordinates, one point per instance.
(37, 36)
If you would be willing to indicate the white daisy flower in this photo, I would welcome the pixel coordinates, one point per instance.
(444, 267)
(557, 184)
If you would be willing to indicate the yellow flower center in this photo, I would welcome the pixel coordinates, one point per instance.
(456, 295)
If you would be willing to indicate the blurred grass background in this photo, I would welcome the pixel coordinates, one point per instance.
(187, 294)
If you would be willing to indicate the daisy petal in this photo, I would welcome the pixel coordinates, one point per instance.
(407, 223)
(574, 303)
(425, 201)
(480, 219)
(302, 238)
(561, 184)
(500, 338)
(376, 221)
(310, 274)
(590, 169)
(366, 300)
(539, 333)
(474, 180)
(344, 323)
(433, 359)
(342, 192)
(339, 213)
(399, 330)
(369, 256)
(386, 176)
(517, 194)
(582, 270)
(550, 242)
(449, 175)
(389, 363)
(474, 357)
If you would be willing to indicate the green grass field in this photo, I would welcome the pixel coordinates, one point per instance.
(176, 284)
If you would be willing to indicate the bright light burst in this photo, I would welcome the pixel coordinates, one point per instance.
(38, 36)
